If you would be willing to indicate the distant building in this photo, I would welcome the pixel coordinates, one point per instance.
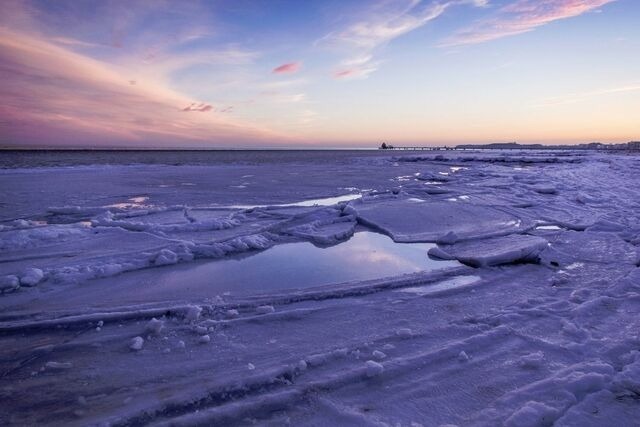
(633, 145)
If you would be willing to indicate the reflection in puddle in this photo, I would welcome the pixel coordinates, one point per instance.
(139, 199)
(132, 202)
(365, 256)
(327, 201)
(548, 227)
(575, 265)
(453, 283)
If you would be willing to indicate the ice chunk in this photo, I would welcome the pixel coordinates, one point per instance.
(58, 365)
(204, 339)
(232, 314)
(545, 189)
(404, 333)
(373, 368)
(456, 282)
(532, 414)
(499, 250)
(265, 309)
(448, 239)
(166, 257)
(591, 246)
(462, 356)
(155, 326)
(136, 343)
(31, 277)
(437, 253)
(9, 283)
(317, 359)
(192, 313)
(340, 352)
(532, 360)
(406, 221)
(379, 355)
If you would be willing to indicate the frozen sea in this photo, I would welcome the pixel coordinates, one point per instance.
(321, 288)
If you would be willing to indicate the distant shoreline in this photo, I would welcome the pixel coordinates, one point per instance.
(631, 145)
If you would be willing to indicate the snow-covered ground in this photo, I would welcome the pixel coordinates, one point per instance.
(259, 292)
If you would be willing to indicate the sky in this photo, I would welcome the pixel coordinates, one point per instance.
(317, 73)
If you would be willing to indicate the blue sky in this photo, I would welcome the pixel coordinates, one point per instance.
(232, 74)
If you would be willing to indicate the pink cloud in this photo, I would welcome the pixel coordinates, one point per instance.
(55, 97)
(357, 72)
(522, 16)
(344, 73)
(198, 107)
(288, 68)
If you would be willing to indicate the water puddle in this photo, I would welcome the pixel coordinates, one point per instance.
(365, 256)
(445, 285)
(548, 227)
(457, 168)
(137, 202)
(327, 201)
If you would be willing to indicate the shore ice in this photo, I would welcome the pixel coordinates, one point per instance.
(539, 329)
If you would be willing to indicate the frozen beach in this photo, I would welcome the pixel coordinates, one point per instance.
(323, 288)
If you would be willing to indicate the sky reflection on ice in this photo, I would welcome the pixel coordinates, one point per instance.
(453, 283)
(365, 256)
(327, 201)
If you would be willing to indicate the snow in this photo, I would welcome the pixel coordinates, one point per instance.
(192, 313)
(155, 326)
(404, 333)
(232, 313)
(58, 365)
(9, 283)
(373, 368)
(494, 251)
(531, 320)
(378, 354)
(166, 257)
(265, 309)
(31, 277)
(532, 414)
(136, 343)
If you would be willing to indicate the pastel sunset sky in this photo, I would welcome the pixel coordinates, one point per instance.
(307, 73)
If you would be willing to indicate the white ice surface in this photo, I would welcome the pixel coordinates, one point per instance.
(542, 330)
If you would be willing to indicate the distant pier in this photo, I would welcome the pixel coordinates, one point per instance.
(418, 148)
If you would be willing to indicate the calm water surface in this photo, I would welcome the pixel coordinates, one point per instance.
(365, 256)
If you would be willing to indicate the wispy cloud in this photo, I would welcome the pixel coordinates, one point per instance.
(53, 95)
(288, 68)
(520, 17)
(202, 107)
(357, 72)
(573, 98)
(275, 96)
(385, 22)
